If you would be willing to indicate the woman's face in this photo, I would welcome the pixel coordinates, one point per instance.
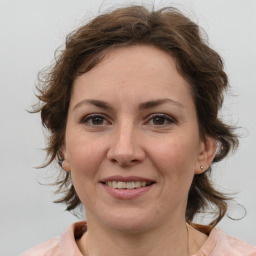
(132, 142)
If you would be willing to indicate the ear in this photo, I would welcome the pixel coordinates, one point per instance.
(206, 154)
(65, 163)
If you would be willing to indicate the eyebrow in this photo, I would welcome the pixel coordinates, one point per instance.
(142, 106)
(97, 103)
(155, 103)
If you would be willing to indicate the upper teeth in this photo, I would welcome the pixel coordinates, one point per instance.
(126, 185)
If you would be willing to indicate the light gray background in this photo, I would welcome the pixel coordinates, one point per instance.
(30, 31)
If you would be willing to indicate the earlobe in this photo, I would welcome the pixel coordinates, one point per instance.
(206, 155)
(65, 165)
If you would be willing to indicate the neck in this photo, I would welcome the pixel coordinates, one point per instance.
(167, 240)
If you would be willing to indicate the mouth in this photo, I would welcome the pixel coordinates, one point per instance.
(124, 188)
(127, 185)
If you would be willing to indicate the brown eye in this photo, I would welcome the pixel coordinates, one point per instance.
(160, 120)
(98, 120)
(95, 120)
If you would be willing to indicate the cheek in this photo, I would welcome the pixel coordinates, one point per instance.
(176, 155)
(86, 158)
(85, 155)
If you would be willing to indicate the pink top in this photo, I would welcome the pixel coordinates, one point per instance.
(217, 244)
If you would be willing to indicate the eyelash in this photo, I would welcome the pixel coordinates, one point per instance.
(166, 118)
(89, 118)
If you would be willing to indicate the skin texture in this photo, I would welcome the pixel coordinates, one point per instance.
(159, 142)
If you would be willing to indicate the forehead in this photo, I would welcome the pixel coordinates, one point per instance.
(139, 70)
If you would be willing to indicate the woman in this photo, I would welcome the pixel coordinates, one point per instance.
(132, 109)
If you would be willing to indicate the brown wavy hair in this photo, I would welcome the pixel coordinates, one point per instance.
(169, 30)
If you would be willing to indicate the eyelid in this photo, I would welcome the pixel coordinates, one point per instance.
(170, 119)
(167, 117)
(88, 117)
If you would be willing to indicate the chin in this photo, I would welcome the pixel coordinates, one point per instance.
(128, 222)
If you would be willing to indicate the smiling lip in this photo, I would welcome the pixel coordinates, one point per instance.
(125, 193)
(127, 179)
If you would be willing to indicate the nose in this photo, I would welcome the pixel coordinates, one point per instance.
(126, 149)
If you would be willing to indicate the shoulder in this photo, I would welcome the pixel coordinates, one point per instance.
(50, 247)
(58, 246)
(226, 245)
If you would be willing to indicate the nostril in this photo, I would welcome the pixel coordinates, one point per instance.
(125, 157)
